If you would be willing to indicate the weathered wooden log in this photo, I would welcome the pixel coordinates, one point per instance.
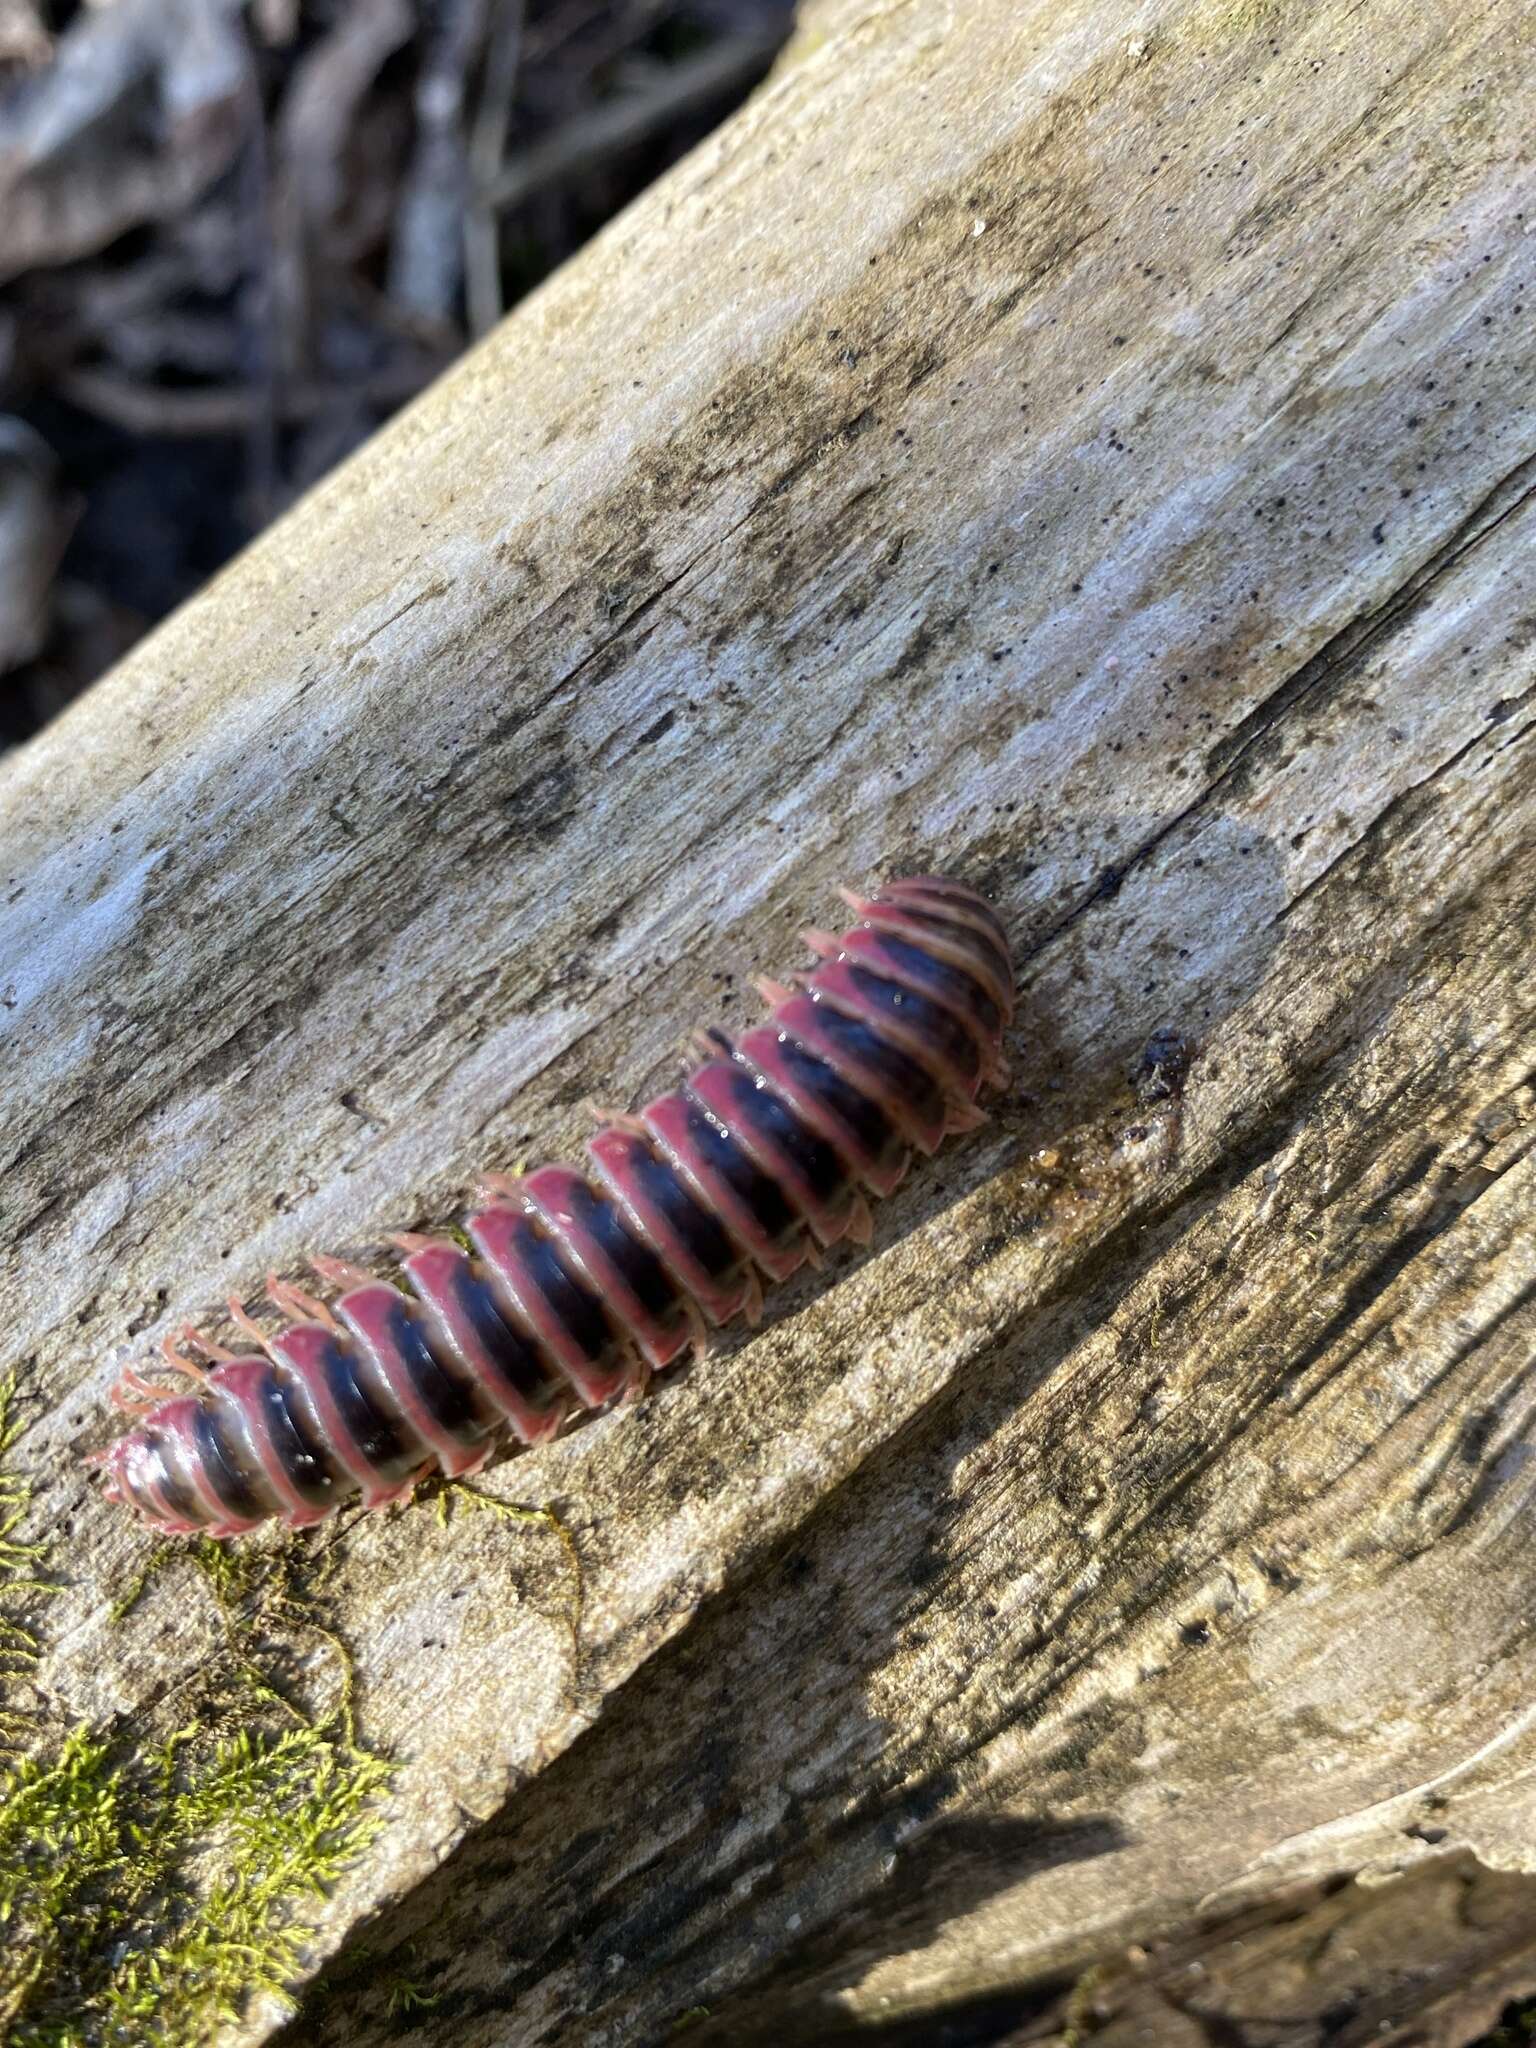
(1089, 453)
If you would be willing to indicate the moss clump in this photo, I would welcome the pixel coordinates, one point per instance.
(144, 1898)
(20, 1586)
(1516, 2028)
(150, 1887)
(404, 1993)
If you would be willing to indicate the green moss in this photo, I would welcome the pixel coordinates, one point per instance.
(404, 1993)
(1516, 2028)
(21, 1587)
(150, 1885)
(143, 1897)
(452, 1493)
(1079, 2019)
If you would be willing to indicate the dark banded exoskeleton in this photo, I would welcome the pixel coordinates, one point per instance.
(570, 1288)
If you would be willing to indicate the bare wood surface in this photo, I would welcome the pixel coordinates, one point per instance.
(1099, 463)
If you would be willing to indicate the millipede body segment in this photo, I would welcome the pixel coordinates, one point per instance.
(570, 1288)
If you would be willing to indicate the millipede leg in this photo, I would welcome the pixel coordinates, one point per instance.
(619, 1119)
(244, 1321)
(697, 1327)
(215, 1352)
(177, 1361)
(137, 1395)
(637, 1386)
(340, 1272)
(290, 1300)
(402, 1494)
(752, 1307)
(411, 1241)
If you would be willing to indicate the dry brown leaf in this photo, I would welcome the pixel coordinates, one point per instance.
(137, 113)
(24, 42)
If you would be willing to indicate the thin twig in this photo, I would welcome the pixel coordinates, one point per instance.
(318, 116)
(259, 311)
(602, 29)
(225, 409)
(487, 153)
(607, 130)
(426, 255)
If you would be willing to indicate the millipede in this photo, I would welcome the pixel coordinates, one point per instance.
(567, 1289)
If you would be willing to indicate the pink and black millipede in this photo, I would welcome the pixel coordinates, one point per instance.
(577, 1285)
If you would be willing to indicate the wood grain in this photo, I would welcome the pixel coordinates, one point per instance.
(1092, 456)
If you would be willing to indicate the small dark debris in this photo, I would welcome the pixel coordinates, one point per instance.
(1420, 1833)
(1163, 1067)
